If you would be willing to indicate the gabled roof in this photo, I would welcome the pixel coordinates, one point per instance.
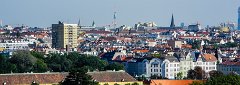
(209, 57)
(111, 76)
(28, 78)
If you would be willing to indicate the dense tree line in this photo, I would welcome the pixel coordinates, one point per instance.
(196, 73)
(215, 77)
(23, 61)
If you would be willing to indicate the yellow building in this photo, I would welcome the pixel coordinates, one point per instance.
(64, 35)
(113, 78)
(224, 29)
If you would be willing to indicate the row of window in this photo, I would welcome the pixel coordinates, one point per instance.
(231, 69)
(172, 65)
(155, 65)
(156, 70)
(206, 63)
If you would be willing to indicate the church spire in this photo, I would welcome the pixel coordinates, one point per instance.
(79, 22)
(172, 22)
(93, 24)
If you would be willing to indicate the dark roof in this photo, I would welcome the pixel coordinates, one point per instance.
(171, 58)
(28, 78)
(111, 76)
(107, 56)
(197, 55)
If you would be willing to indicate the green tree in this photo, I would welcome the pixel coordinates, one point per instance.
(38, 55)
(200, 73)
(155, 77)
(23, 60)
(156, 55)
(116, 84)
(128, 84)
(197, 73)
(191, 74)
(135, 83)
(91, 61)
(6, 66)
(141, 78)
(106, 84)
(224, 80)
(58, 62)
(40, 66)
(196, 44)
(78, 77)
(114, 66)
(215, 73)
(179, 75)
(231, 44)
(197, 83)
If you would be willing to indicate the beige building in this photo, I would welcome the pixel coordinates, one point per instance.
(64, 35)
(175, 43)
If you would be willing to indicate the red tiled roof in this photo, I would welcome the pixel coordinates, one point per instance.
(186, 46)
(111, 76)
(22, 78)
(209, 57)
(173, 82)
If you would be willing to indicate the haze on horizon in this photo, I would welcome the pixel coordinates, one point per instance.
(43, 13)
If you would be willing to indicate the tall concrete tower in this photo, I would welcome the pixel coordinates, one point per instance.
(64, 35)
(239, 18)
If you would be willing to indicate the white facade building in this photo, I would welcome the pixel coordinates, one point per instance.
(229, 66)
(15, 45)
(172, 64)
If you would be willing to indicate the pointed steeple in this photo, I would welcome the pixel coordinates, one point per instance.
(93, 24)
(172, 22)
(1, 23)
(79, 22)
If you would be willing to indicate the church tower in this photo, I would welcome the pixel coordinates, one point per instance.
(172, 22)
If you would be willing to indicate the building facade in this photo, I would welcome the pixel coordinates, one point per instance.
(229, 66)
(64, 35)
(171, 65)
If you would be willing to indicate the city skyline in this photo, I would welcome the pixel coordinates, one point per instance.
(43, 13)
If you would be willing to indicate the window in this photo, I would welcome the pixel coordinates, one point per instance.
(156, 65)
(155, 70)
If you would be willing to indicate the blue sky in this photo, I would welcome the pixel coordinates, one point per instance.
(43, 13)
